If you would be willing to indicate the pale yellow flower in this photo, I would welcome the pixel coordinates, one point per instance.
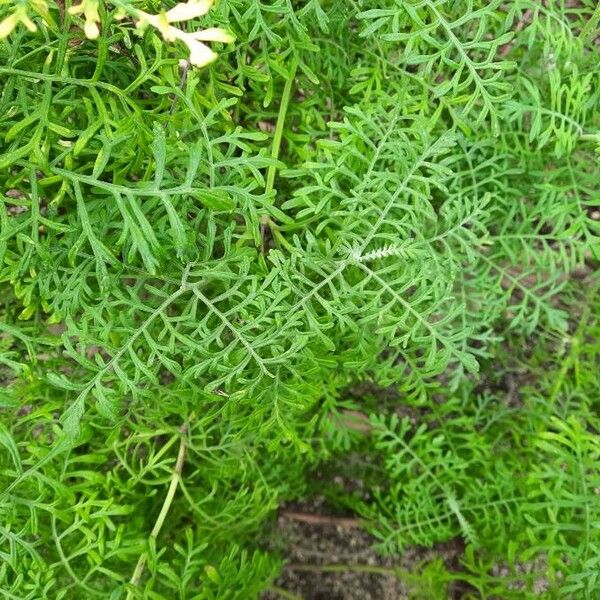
(214, 34)
(200, 54)
(89, 8)
(19, 15)
(189, 10)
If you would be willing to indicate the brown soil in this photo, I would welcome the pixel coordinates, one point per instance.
(309, 540)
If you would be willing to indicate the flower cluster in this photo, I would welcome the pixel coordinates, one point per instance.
(89, 9)
(200, 53)
(20, 15)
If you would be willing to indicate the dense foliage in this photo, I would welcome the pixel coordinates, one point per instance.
(202, 263)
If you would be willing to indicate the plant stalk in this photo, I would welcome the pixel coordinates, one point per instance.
(285, 100)
(275, 589)
(342, 568)
(591, 26)
(164, 511)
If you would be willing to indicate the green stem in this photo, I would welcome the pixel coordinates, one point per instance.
(277, 136)
(285, 100)
(280, 239)
(398, 572)
(341, 568)
(591, 25)
(175, 478)
(575, 349)
(275, 589)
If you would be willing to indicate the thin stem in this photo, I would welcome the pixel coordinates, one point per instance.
(275, 589)
(345, 522)
(591, 26)
(277, 136)
(398, 572)
(175, 478)
(285, 100)
(342, 568)
(67, 564)
(277, 235)
(571, 359)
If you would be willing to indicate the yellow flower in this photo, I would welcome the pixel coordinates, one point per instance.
(189, 10)
(89, 8)
(19, 15)
(200, 54)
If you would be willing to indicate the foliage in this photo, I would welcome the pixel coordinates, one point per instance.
(512, 473)
(197, 265)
